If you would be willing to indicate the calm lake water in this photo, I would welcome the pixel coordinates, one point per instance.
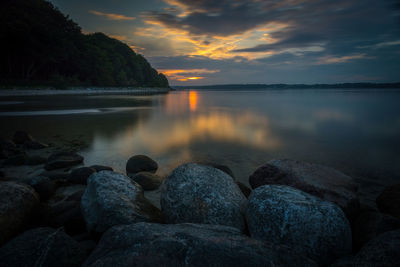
(355, 131)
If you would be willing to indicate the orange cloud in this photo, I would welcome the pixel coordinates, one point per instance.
(111, 16)
(118, 37)
(343, 59)
(181, 74)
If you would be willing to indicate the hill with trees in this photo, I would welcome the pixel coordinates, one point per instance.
(42, 46)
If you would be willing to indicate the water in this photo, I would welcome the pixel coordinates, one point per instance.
(355, 131)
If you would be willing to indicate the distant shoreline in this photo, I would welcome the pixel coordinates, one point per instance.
(83, 91)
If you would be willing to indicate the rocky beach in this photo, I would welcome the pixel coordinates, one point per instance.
(56, 211)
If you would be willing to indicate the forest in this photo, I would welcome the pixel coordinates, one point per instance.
(43, 47)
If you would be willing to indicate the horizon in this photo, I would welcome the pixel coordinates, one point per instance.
(261, 42)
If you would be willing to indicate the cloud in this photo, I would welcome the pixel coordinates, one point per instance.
(184, 75)
(111, 16)
(340, 59)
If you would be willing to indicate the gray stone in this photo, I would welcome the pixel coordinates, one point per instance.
(148, 180)
(245, 190)
(42, 247)
(80, 175)
(381, 251)
(149, 244)
(318, 180)
(62, 160)
(140, 163)
(284, 215)
(112, 199)
(18, 203)
(101, 168)
(195, 193)
(370, 224)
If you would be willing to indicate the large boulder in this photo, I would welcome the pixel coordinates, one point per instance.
(381, 251)
(80, 175)
(112, 199)
(389, 200)
(318, 180)
(370, 224)
(195, 193)
(149, 244)
(148, 180)
(285, 215)
(18, 203)
(42, 247)
(62, 160)
(140, 163)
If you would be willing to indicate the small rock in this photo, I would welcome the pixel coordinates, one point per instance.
(67, 193)
(148, 181)
(112, 199)
(60, 174)
(370, 224)
(80, 175)
(150, 244)
(197, 193)
(140, 163)
(21, 137)
(18, 203)
(245, 190)
(381, 251)
(43, 186)
(42, 247)
(318, 180)
(63, 160)
(35, 145)
(35, 160)
(389, 200)
(284, 215)
(99, 168)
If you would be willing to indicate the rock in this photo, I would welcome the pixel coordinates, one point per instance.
(140, 163)
(195, 193)
(80, 175)
(21, 137)
(369, 225)
(18, 203)
(8, 149)
(35, 145)
(245, 190)
(67, 214)
(148, 181)
(223, 168)
(67, 193)
(56, 174)
(150, 244)
(63, 160)
(43, 186)
(381, 251)
(101, 168)
(42, 247)
(35, 160)
(389, 200)
(284, 215)
(318, 180)
(112, 199)
(17, 160)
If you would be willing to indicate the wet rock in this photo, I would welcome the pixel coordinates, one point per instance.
(60, 174)
(318, 180)
(17, 160)
(140, 163)
(35, 160)
(18, 203)
(112, 199)
(284, 215)
(148, 181)
(202, 194)
(187, 245)
(67, 193)
(99, 168)
(381, 251)
(245, 190)
(80, 175)
(370, 224)
(389, 201)
(43, 186)
(21, 137)
(63, 160)
(42, 247)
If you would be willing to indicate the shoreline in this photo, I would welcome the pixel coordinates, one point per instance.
(83, 91)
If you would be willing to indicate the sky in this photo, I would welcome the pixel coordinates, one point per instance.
(203, 42)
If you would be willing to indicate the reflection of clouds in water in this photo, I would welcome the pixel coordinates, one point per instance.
(157, 137)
